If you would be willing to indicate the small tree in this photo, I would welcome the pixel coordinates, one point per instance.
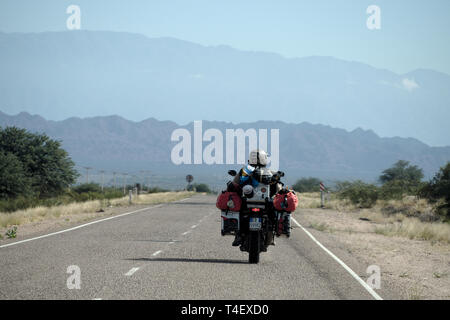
(13, 181)
(401, 178)
(43, 161)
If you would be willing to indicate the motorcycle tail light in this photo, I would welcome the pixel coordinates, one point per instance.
(255, 209)
(263, 190)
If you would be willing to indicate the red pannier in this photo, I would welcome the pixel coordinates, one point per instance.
(285, 201)
(229, 201)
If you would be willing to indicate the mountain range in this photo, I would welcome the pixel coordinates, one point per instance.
(59, 75)
(117, 144)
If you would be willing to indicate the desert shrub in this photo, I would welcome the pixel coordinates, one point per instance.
(81, 194)
(87, 187)
(438, 191)
(361, 194)
(307, 185)
(19, 203)
(202, 187)
(392, 190)
(156, 190)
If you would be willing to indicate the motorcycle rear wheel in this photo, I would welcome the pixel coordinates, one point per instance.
(254, 247)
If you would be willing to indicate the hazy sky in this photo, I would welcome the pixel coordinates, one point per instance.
(414, 33)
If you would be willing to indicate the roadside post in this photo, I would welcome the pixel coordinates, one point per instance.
(189, 179)
(322, 195)
(130, 195)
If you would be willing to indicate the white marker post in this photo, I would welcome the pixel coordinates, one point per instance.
(322, 195)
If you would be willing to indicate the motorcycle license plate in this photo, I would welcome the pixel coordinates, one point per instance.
(255, 224)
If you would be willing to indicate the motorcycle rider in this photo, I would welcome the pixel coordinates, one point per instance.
(257, 160)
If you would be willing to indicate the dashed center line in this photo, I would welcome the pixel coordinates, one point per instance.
(156, 253)
(132, 270)
(194, 226)
(185, 233)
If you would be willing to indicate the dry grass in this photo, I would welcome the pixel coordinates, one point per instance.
(413, 228)
(45, 213)
(409, 217)
(311, 200)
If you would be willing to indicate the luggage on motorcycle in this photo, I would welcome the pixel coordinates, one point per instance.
(233, 187)
(229, 201)
(230, 222)
(285, 201)
(283, 225)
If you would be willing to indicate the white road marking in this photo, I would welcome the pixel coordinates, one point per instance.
(194, 226)
(352, 273)
(156, 253)
(185, 233)
(132, 270)
(97, 299)
(171, 242)
(78, 227)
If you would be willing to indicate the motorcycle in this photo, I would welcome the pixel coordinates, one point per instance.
(257, 220)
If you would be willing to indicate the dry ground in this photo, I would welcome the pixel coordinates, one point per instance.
(413, 254)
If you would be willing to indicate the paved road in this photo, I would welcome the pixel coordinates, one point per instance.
(173, 251)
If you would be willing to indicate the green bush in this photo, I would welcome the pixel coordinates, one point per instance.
(359, 193)
(156, 190)
(20, 203)
(202, 187)
(307, 185)
(401, 179)
(393, 190)
(438, 191)
(87, 187)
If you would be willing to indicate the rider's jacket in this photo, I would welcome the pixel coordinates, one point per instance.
(245, 176)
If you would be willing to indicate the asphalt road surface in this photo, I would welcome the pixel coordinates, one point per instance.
(171, 251)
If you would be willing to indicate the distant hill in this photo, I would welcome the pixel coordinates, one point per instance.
(91, 73)
(114, 143)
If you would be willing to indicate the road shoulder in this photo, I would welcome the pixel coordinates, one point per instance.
(410, 269)
(52, 224)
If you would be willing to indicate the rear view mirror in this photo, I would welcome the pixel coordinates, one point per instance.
(232, 173)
